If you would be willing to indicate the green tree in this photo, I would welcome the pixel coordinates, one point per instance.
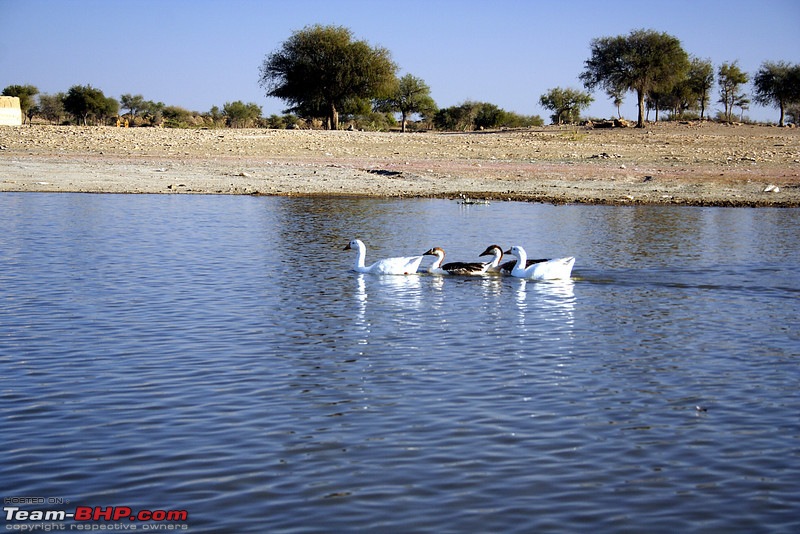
(153, 112)
(642, 61)
(25, 93)
(457, 118)
(680, 99)
(215, 116)
(276, 122)
(84, 101)
(700, 81)
(241, 115)
(476, 115)
(488, 116)
(515, 120)
(176, 117)
(491, 116)
(655, 100)
(374, 121)
(322, 70)
(51, 107)
(676, 100)
(109, 109)
(731, 78)
(566, 104)
(133, 103)
(411, 95)
(777, 84)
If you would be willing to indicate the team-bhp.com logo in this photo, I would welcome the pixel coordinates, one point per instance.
(93, 518)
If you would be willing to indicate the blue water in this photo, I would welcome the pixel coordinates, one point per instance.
(215, 354)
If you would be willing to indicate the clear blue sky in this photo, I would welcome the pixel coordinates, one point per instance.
(200, 53)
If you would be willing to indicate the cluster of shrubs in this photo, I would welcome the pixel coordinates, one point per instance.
(89, 106)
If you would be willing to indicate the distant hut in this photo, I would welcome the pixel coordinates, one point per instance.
(10, 112)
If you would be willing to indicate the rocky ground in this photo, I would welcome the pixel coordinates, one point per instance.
(696, 164)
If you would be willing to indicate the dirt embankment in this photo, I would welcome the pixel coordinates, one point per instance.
(695, 164)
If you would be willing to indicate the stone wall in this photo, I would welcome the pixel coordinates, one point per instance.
(10, 112)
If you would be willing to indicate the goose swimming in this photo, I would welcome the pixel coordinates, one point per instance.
(398, 265)
(506, 267)
(556, 269)
(497, 252)
(456, 267)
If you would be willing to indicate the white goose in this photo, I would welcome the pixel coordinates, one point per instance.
(399, 265)
(505, 267)
(456, 267)
(556, 269)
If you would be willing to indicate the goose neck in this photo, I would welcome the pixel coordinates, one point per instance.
(361, 256)
(522, 260)
(498, 255)
(437, 263)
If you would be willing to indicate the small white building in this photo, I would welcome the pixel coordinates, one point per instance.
(10, 112)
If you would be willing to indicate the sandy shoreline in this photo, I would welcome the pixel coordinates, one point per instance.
(694, 164)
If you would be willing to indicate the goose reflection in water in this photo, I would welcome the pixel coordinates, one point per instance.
(361, 324)
(550, 301)
(376, 296)
(396, 291)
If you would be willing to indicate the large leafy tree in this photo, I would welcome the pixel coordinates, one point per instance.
(642, 61)
(777, 84)
(731, 78)
(566, 104)
(410, 95)
(84, 101)
(321, 70)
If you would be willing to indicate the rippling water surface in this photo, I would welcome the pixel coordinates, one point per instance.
(216, 355)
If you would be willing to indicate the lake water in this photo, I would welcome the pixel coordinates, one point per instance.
(215, 354)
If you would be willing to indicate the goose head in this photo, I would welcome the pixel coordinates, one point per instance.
(492, 250)
(435, 251)
(519, 253)
(355, 244)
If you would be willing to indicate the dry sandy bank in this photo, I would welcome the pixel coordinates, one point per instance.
(697, 164)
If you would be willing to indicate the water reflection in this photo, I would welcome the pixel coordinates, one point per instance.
(552, 300)
(361, 324)
(378, 294)
(400, 291)
(558, 293)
